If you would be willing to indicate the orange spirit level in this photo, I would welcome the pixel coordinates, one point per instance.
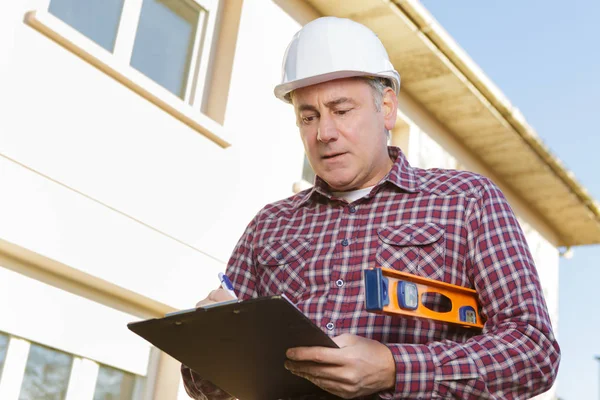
(392, 292)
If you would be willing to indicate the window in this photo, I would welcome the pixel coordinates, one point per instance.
(98, 20)
(163, 50)
(164, 43)
(114, 384)
(307, 172)
(47, 374)
(169, 41)
(3, 347)
(53, 375)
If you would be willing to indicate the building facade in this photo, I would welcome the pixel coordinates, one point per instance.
(139, 137)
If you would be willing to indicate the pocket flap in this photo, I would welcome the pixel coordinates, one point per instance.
(283, 251)
(418, 234)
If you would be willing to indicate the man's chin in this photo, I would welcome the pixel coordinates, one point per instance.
(338, 184)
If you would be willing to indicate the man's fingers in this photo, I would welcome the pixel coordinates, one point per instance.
(204, 302)
(320, 355)
(220, 295)
(216, 296)
(323, 355)
(309, 369)
(329, 378)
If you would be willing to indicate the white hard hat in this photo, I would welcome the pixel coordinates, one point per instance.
(331, 48)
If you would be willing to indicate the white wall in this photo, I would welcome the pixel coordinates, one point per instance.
(101, 180)
(546, 260)
(119, 188)
(73, 324)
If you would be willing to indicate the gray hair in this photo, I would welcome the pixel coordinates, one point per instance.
(378, 86)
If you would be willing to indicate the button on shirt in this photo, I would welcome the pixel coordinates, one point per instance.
(451, 226)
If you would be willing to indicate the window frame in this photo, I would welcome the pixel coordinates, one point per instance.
(201, 46)
(116, 64)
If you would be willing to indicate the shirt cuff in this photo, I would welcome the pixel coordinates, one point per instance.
(415, 372)
(198, 388)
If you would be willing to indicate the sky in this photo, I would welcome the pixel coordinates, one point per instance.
(545, 57)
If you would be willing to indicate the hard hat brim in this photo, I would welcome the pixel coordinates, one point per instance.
(283, 91)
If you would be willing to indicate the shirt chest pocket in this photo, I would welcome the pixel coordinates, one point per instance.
(418, 248)
(281, 267)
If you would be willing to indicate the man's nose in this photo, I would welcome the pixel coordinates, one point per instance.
(327, 131)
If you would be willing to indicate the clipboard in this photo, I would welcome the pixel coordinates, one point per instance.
(240, 345)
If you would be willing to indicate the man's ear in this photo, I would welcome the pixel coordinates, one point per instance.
(389, 108)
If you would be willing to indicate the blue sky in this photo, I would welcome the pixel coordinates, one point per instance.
(545, 57)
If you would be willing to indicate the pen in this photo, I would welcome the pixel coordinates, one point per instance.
(226, 284)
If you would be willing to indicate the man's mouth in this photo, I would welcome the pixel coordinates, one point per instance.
(332, 155)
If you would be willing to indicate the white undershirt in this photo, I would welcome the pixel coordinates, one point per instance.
(353, 195)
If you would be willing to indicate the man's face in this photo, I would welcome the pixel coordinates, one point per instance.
(343, 133)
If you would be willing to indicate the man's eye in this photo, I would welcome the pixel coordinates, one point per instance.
(308, 119)
(342, 112)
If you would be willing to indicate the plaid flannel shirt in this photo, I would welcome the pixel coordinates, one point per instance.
(452, 226)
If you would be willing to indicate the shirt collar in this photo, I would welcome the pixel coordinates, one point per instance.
(401, 175)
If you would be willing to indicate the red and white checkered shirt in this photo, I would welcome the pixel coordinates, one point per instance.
(451, 226)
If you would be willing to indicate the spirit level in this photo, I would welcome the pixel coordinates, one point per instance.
(392, 292)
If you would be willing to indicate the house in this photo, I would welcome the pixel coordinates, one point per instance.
(139, 137)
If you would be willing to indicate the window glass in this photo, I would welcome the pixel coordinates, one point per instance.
(3, 348)
(307, 172)
(164, 42)
(96, 19)
(114, 384)
(47, 374)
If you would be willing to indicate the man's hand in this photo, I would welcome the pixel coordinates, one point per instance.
(216, 296)
(359, 367)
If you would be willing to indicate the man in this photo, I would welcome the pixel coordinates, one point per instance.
(369, 207)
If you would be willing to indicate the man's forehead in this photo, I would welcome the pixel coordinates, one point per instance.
(334, 102)
(329, 94)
